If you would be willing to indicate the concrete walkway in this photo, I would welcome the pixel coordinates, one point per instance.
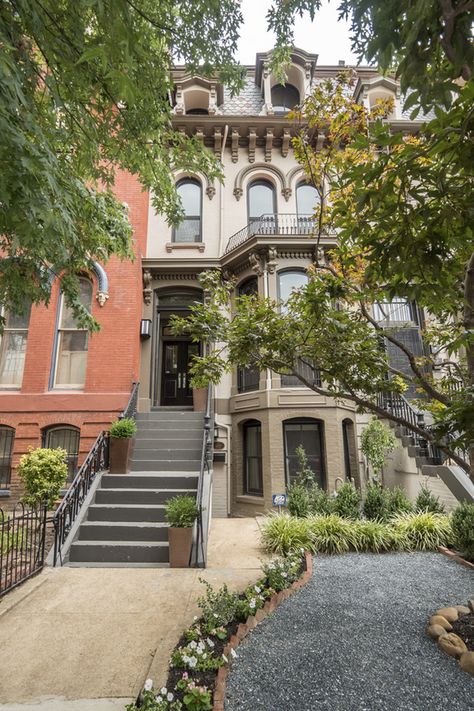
(85, 639)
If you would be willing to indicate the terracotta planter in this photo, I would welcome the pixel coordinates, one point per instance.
(199, 399)
(180, 540)
(120, 449)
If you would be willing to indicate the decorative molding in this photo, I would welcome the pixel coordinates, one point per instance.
(217, 141)
(286, 192)
(285, 142)
(268, 145)
(265, 168)
(256, 263)
(292, 175)
(147, 290)
(252, 144)
(101, 297)
(102, 283)
(172, 246)
(235, 144)
(272, 255)
(210, 191)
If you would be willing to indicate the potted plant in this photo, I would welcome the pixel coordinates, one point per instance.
(44, 473)
(120, 444)
(199, 399)
(181, 512)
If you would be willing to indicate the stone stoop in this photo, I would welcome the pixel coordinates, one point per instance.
(125, 523)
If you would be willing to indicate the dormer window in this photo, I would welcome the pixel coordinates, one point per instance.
(284, 98)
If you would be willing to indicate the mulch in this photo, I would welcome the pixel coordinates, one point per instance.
(464, 628)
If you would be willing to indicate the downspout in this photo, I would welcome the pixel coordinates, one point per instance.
(221, 194)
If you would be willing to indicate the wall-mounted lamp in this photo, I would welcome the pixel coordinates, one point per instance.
(145, 328)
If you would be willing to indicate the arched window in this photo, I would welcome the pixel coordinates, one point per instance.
(13, 348)
(7, 436)
(72, 342)
(248, 379)
(307, 198)
(307, 433)
(284, 98)
(261, 199)
(289, 281)
(190, 193)
(253, 470)
(66, 437)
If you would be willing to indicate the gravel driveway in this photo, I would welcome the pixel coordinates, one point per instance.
(353, 639)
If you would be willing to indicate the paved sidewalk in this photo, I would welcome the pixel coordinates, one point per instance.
(353, 639)
(84, 639)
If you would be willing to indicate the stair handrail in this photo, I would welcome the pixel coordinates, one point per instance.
(131, 407)
(200, 544)
(97, 460)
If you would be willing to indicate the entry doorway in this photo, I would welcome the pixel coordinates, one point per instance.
(175, 378)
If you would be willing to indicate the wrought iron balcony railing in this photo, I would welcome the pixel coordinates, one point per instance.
(273, 224)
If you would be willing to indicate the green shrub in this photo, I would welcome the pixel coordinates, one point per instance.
(427, 501)
(124, 428)
(375, 537)
(462, 523)
(282, 533)
(320, 503)
(181, 511)
(282, 572)
(376, 442)
(376, 503)
(44, 473)
(347, 502)
(218, 607)
(422, 530)
(331, 534)
(298, 500)
(398, 501)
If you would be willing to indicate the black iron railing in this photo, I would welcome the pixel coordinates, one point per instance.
(96, 461)
(22, 545)
(131, 409)
(274, 224)
(199, 552)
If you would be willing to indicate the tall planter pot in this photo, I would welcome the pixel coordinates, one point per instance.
(199, 399)
(120, 450)
(180, 543)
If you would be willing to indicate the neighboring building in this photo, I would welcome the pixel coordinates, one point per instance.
(61, 386)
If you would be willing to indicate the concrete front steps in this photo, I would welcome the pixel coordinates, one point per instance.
(125, 523)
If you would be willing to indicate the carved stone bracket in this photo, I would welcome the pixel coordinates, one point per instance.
(272, 255)
(268, 145)
(252, 144)
(235, 144)
(147, 291)
(210, 191)
(286, 192)
(285, 142)
(256, 263)
(101, 297)
(217, 141)
(238, 192)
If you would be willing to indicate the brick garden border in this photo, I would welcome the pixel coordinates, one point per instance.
(454, 555)
(252, 621)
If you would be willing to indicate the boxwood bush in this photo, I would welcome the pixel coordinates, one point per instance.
(462, 523)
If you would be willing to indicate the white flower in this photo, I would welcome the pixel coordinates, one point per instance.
(210, 643)
(158, 699)
(216, 616)
(233, 653)
(192, 645)
(148, 685)
(192, 661)
(284, 575)
(257, 589)
(252, 604)
(170, 697)
(163, 691)
(195, 618)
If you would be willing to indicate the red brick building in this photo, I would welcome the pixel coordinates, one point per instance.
(60, 386)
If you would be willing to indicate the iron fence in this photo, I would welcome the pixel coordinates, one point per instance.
(274, 224)
(22, 545)
(96, 461)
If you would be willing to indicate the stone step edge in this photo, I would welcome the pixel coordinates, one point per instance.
(131, 544)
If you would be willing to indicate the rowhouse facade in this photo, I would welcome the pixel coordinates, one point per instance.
(61, 386)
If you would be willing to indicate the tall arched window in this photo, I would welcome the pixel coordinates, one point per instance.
(289, 281)
(13, 348)
(72, 342)
(7, 436)
(307, 199)
(253, 469)
(66, 437)
(261, 199)
(307, 433)
(248, 379)
(190, 229)
(284, 98)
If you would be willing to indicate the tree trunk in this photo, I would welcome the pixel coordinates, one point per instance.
(469, 328)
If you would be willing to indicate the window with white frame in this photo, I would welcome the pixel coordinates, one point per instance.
(13, 348)
(72, 343)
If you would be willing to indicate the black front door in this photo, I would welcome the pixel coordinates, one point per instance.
(177, 357)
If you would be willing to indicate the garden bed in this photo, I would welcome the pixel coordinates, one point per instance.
(200, 661)
(464, 628)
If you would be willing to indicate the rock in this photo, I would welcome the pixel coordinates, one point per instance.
(470, 604)
(452, 644)
(462, 609)
(442, 621)
(436, 631)
(466, 662)
(450, 613)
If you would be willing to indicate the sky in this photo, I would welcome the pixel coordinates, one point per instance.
(325, 37)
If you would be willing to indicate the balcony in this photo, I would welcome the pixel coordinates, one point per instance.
(278, 225)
